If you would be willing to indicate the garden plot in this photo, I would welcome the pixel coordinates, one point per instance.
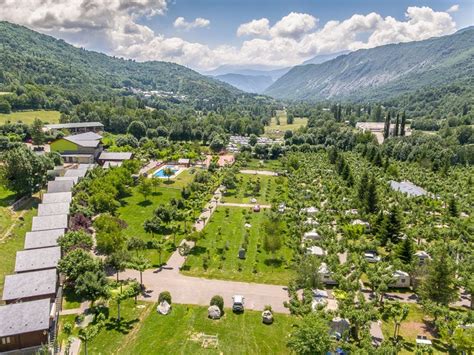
(232, 229)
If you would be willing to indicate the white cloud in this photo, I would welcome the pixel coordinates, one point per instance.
(258, 28)
(180, 22)
(453, 8)
(293, 25)
(114, 27)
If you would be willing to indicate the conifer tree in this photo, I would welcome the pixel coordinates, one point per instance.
(397, 125)
(402, 125)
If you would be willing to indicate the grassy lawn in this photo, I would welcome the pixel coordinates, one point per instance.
(29, 116)
(222, 251)
(135, 211)
(271, 189)
(70, 299)
(178, 333)
(414, 325)
(14, 241)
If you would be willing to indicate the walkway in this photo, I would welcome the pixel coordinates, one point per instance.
(244, 205)
(259, 172)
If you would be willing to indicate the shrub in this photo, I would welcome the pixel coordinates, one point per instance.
(164, 296)
(219, 302)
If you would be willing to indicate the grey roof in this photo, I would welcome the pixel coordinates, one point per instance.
(43, 223)
(115, 156)
(57, 197)
(60, 186)
(85, 166)
(24, 317)
(30, 284)
(408, 187)
(74, 179)
(43, 239)
(89, 139)
(50, 209)
(75, 173)
(37, 259)
(74, 125)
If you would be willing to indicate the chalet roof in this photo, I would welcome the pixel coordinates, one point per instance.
(74, 125)
(42, 223)
(37, 259)
(115, 156)
(57, 197)
(75, 173)
(30, 284)
(24, 317)
(74, 179)
(60, 186)
(49, 209)
(43, 239)
(408, 188)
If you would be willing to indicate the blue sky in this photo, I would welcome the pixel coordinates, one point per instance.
(204, 34)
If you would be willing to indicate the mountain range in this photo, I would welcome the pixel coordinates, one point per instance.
(383, 72)
(256, 79)
(27, 56)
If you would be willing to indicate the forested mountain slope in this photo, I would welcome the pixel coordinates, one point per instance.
(27, 56)
(383, 72)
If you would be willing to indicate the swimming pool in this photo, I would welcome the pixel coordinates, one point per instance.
(161, 172)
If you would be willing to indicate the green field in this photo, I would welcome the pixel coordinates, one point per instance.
(272, 189)
(179, 333)
(29, 116)
(223, 238)
(14, 241)
(275, 129)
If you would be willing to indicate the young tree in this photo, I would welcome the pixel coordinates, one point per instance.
(311, 336)
(439, 285)
(145, 187)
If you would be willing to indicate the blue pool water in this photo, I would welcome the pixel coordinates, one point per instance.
(161, 172)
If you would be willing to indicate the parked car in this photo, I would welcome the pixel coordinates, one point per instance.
(238, 303)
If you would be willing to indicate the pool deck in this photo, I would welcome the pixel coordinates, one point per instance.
(179, 170)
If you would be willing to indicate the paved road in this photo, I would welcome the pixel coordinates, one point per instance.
(244, 205)
(199, 291)
(259, 172)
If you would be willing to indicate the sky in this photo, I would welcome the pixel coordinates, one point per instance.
(205, 34)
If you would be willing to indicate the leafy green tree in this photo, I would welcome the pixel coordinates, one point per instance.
(439, 286)
(74, 240)
(23, 171)
(76, 263)
(137, 129)
(92, 285)
(311, 336)
(37, 134)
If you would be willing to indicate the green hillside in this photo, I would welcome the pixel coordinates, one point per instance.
(28, 57)
(383, 72)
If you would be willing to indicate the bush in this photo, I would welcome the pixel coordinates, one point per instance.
(164, 296)
(219, 302)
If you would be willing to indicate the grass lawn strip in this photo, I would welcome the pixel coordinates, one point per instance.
(179, 333)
